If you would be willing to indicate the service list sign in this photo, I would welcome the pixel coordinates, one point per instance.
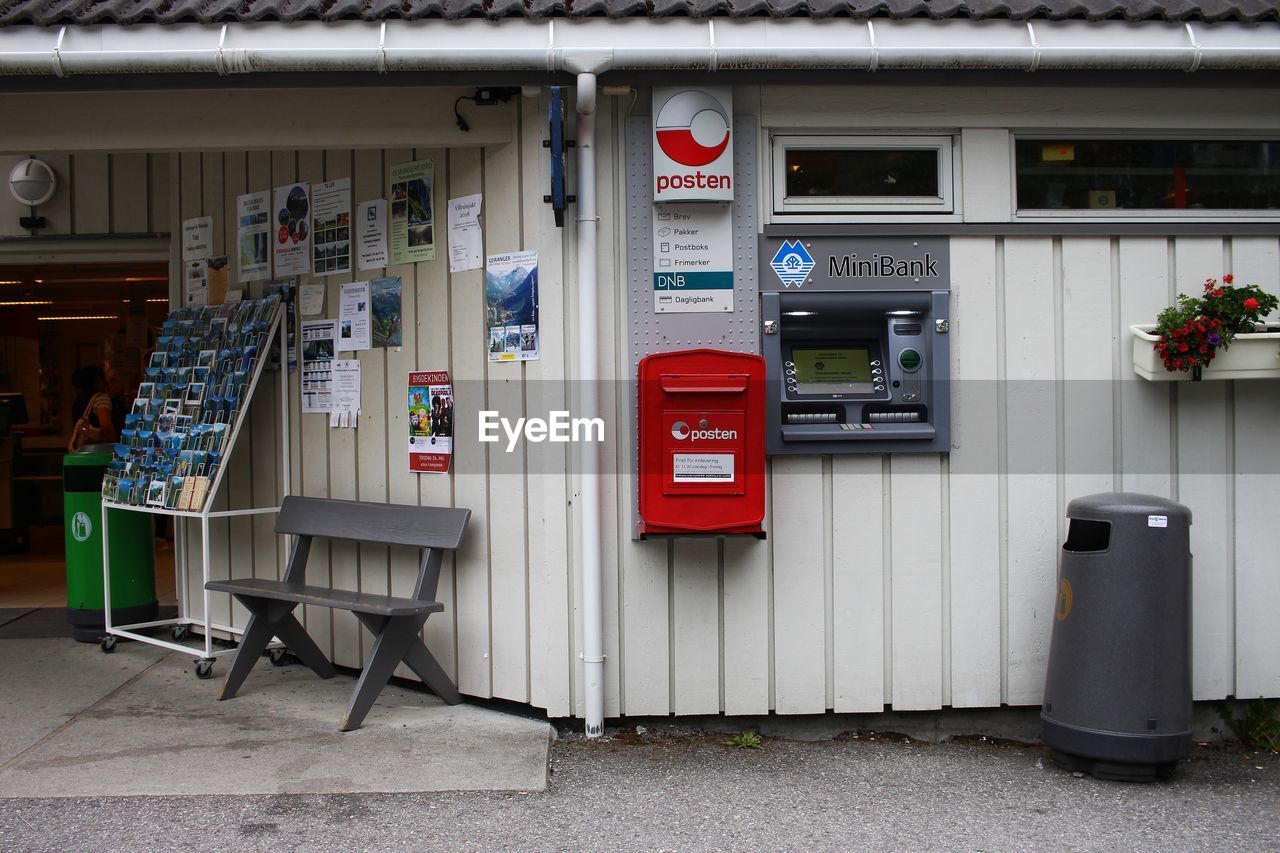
(693, 144)
(692, 258)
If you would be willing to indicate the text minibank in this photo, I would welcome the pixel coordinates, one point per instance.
(855, 336)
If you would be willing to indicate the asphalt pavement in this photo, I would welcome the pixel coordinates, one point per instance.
(670, 789)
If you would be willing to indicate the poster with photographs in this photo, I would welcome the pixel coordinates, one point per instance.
(331, 227)
(430, 422)
(412, 214)
(195, 287)
(384, 293)
(293, 234)
(511, 306)
(253, 236)
(319, 348)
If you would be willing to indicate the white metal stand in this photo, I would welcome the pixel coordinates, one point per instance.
(185, 620)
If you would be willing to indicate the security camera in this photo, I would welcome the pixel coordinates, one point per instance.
(32, 182)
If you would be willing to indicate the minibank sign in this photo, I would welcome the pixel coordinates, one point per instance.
(855, 263)
(693, 144)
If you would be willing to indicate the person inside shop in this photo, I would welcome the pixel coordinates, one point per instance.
(92, 408)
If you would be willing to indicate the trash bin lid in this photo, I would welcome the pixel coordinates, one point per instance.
(1110, 504)
(80, 459)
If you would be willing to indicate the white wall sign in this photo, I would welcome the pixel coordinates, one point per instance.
(692, 258)
(197, 238)
(693, 144)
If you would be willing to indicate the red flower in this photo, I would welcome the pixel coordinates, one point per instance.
(1182, 347)
(1203, 348)
(1228, 278)
(1251, 304)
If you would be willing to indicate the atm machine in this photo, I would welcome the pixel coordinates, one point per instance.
(855, 337)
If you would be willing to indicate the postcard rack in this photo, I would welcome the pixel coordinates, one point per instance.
(177, 443)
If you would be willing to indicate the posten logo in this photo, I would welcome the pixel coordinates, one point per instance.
(81, 527)
(685, 122)
(681, 432)
(693, 144)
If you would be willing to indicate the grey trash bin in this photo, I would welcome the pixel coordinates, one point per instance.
(1117, 696)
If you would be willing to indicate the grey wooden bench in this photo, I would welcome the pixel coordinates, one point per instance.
(395, 622)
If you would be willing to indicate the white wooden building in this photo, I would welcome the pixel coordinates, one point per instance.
(907, 581)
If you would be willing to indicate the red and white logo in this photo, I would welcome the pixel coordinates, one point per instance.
(692, 128)
(693, 144)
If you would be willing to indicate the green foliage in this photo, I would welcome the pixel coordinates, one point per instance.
(746, 740)
(1258, 727)
(1193, 330)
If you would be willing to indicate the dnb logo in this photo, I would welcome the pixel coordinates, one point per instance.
(792, 263)
(692, 135)
(81, 527)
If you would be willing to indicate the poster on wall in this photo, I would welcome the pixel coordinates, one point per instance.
(412, 226)
(384, 294)
(346, 394)
(195, 283)
(466, 240)
(511, 306)
(331, 227)
(371, 233)
(293, 234)
(197, 238)
(253, 236)
(319, 347)
(353, 317)
(430, 421)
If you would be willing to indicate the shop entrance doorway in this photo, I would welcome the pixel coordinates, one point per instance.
(66, 330)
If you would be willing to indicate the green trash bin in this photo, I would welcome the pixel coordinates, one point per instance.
(133, 556)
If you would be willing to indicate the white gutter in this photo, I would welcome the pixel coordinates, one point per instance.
(633, 44)
(589, 402)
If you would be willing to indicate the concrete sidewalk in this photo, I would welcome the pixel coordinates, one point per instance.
(79, 723)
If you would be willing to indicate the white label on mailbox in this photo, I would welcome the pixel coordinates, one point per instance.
(702, 467)
(1157, 521)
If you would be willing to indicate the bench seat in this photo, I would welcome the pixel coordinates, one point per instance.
(323, 596)
(395, 622)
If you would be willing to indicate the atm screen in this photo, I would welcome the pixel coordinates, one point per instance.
(832, 371)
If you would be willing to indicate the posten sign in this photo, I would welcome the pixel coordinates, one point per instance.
(693, 144)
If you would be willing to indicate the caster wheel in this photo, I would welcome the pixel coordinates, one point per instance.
(180, 632)
(204, 668)
(279, 657)
(108, 644)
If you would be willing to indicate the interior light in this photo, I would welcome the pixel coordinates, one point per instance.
(147, 278)
(159, 299)
(84, 317)
(26, 302)
(11, 281)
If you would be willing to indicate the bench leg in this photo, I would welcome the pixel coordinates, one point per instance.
(300, 643)
(389, 647)
(257, 634)
(421, 661)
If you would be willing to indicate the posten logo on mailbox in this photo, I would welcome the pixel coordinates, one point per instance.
(701, 453)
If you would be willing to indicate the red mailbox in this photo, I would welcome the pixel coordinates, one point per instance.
(701, 453)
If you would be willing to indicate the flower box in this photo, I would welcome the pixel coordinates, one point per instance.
(1252, 355)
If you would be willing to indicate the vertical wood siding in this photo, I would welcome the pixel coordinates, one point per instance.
(909, 581)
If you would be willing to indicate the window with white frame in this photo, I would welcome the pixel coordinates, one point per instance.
(862, 174)
(1146, 175)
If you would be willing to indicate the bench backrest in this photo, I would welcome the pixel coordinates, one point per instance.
(391, 524)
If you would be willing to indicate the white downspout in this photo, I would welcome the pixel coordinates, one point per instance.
(589, 400)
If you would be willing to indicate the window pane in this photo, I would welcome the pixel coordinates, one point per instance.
(862, 172)
(1147, 174)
